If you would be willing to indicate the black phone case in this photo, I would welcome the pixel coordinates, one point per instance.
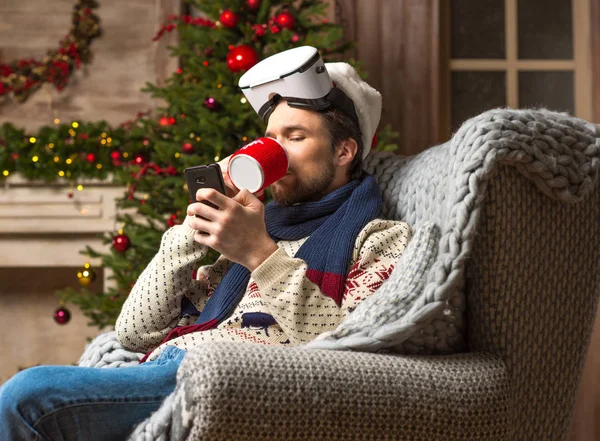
(204, 176)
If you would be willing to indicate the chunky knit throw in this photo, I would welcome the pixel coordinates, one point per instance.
(332, 223)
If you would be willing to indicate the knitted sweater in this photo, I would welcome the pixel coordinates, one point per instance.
(280, 306)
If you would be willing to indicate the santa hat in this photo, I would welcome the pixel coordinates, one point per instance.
(367, 101)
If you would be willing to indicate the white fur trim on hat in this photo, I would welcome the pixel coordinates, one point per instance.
(367, 101)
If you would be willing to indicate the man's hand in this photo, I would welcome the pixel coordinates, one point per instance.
(237, 229)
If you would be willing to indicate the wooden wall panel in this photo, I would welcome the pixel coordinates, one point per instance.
(369, 50)
(396, 43)
(595, 29)
(410, 71)
(125, 58)
(586, 418)
(585, 425)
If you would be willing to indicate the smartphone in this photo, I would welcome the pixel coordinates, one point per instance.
(204, 176)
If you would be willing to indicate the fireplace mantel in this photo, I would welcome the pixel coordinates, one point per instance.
(47, 225)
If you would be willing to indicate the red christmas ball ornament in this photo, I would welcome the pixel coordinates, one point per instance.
(62, 315)
(241, 58)
(90, 157)
(253, 4)
(166, 121)
(121, 243)
(211, 104)
(228, 19)
(285, 20)
(187, 148)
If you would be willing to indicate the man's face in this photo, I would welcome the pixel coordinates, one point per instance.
(311, 162)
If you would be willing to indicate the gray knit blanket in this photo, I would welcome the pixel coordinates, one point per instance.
(420, 308)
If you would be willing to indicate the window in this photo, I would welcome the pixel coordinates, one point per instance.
(515, 53)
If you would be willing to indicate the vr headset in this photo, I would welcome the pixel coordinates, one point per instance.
(297, 76)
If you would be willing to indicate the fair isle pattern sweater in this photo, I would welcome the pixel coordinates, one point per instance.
(280, 306)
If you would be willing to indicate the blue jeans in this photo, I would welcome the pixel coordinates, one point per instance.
(80, 403)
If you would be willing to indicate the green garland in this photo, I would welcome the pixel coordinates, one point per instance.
(21, 78)
(72, 151)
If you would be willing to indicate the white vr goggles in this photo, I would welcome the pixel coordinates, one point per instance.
(297, 76)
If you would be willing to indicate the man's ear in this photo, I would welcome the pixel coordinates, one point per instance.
(346, 152)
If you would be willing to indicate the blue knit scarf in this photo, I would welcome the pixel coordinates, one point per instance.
(332, 224)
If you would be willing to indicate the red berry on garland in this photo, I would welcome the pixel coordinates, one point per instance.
(295, 38)
(212, 104)
(139, 159)
(253, 4)
(121, 243)
(62, 315)
(208, 51)
(90, 157)
(187, 148)
(259, 30)
(173, 220)
(285, 20)
(241, 58)
(228, 19)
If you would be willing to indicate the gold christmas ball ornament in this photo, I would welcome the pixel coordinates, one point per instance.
(86, 276)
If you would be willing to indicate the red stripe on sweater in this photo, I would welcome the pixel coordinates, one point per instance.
(331, 284)
(182, 330)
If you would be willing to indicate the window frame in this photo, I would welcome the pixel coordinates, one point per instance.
(584, 12)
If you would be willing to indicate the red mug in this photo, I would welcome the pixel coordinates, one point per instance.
(258, 164)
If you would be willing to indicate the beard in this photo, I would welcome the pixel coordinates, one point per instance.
(308, 190)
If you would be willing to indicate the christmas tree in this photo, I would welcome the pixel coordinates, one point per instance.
(205, 118)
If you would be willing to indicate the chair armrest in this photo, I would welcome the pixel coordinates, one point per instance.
(253, 392)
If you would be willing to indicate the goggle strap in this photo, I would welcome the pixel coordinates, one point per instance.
(335, 98)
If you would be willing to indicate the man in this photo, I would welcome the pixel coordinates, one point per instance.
(286, 273)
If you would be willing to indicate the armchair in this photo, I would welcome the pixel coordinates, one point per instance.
(515, 194)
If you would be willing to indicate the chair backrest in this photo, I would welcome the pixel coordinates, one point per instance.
(528, 264)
